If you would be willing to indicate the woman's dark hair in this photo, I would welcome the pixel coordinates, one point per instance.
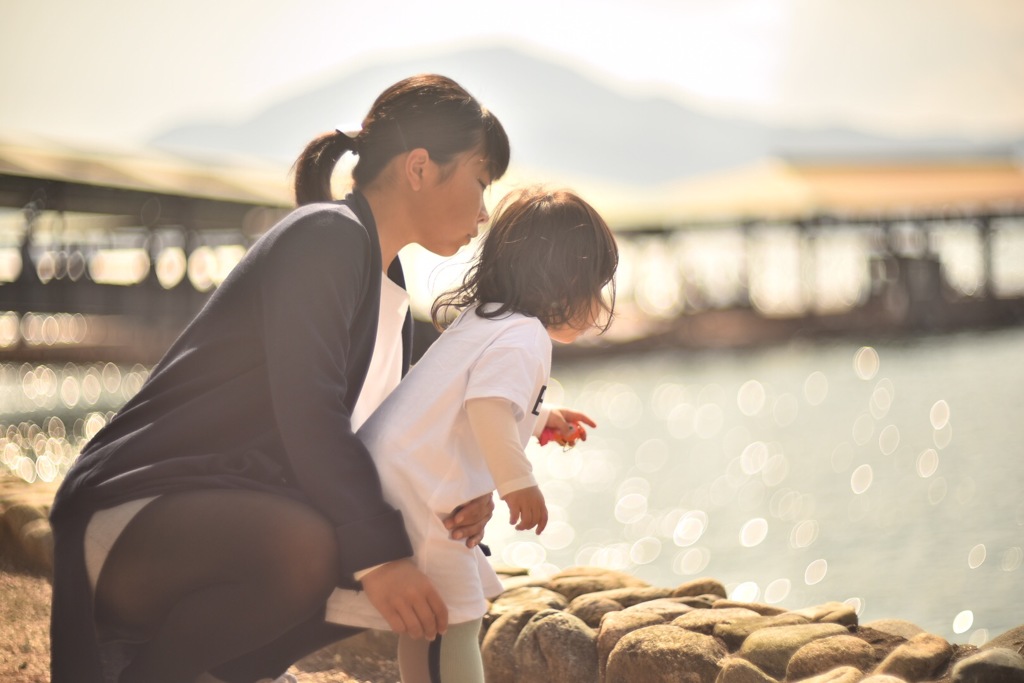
(428, 111)
(549, 255)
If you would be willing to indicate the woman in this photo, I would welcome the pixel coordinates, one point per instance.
(208, 522)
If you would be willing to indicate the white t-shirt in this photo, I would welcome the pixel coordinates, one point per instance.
(427, 456)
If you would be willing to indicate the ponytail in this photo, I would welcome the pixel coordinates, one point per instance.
(315, 165)
(426, 111)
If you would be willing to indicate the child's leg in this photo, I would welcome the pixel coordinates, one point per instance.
(451, 658)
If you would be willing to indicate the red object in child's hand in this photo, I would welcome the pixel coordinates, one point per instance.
(577, 433)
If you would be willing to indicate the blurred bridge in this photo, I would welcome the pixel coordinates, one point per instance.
(108, 253)
(105, 255)
(790, 247)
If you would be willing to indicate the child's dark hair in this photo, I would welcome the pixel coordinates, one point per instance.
(427, 111)
(548, 254)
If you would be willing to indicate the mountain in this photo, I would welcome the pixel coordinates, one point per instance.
(559, 120)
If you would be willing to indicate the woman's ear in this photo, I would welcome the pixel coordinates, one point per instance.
(417, 166)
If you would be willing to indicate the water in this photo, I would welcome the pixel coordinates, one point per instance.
(887, 475)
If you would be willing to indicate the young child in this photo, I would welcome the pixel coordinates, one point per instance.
(457, 425)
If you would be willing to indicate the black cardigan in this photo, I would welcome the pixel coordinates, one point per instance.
(256, 393)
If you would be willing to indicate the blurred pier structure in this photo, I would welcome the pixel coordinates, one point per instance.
(107, 256)
(813, 248)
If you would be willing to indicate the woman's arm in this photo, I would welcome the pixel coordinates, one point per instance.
(406, 598)
(313, 298)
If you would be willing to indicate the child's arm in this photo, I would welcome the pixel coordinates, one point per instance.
(494, 426)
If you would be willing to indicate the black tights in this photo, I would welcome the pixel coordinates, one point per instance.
(228, 581)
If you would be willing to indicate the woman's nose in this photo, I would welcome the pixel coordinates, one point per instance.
(484, 216)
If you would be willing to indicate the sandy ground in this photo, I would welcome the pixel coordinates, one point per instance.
(24, 627)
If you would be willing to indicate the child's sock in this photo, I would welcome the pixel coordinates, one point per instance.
(451, 658)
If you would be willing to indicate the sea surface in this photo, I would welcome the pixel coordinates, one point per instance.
(887, 474)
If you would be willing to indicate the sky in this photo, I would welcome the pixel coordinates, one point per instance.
(113, 73)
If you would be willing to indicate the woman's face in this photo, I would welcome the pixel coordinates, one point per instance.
(452, 206)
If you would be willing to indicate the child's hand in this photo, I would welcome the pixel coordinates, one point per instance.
(528, 508)
(564, 427)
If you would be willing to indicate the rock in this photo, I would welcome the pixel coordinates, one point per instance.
(1011, 640)
(705, 620)
(508, 570)
(882, 643)
(27, 537)
(881, 678)
(533, 597)
(821, 656)
(576, 581)
(18, 515)
(591, 609)
(921, 658)
(668, 608)
(706, 601)
(627, 597)
(760, 608)
(704, 586)
(995, 665)
(896, 627)
(664, 654)
(830, 613)
(512, 582)
(738, 670)
(960, 652)
(499, 642)
(617, 624)
(770, 649)
(735, 633)
(844, 674)
(36, 540)
(556, 647)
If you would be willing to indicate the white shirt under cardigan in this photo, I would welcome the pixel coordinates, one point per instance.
(385, 370)
(428, 459)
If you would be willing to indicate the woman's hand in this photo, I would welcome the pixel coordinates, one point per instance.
(469, 519)
(407, 599)
(563, 421)
(527, 507)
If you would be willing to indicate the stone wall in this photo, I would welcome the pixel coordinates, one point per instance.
(587, 624)
(26, 540)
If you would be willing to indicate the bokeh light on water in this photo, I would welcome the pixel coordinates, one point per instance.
(797, 475)
(879, 475)
(47, 413)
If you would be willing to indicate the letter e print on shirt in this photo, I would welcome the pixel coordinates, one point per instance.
(540, 400)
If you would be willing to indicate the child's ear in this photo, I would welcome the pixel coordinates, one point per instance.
(417, 165)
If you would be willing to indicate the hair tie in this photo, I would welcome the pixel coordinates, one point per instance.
(351, 132)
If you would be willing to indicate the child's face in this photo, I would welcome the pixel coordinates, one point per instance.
(565, 334)
(570, 332)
